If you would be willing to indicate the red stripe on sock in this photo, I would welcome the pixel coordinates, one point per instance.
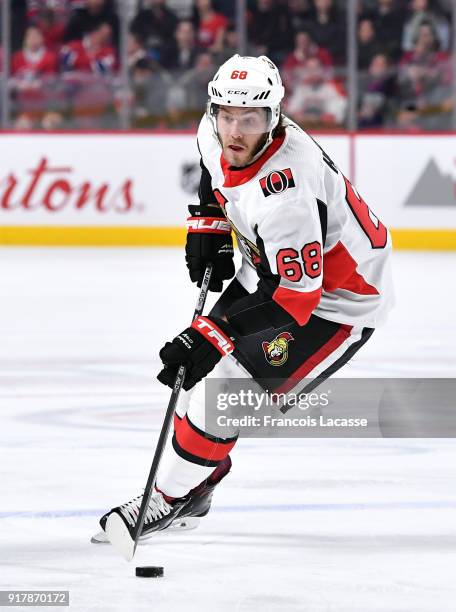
(177, 421)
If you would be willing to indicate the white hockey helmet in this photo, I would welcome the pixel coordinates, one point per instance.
(249, 82)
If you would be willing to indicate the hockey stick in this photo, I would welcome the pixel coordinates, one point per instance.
(116, 530)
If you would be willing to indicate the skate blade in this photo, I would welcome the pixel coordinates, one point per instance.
(178, 525)
(119, 536)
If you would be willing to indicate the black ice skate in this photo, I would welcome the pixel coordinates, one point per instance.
(163, 512)
(198, 501)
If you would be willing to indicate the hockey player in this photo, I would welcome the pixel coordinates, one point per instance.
(313, 284)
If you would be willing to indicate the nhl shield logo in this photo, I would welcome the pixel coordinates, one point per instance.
(276, 352)
(276, 182)
(190, 177)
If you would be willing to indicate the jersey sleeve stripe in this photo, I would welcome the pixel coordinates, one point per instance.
(298, 304)
(340, 272)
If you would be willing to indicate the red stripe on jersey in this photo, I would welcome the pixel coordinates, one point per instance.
(196, 444)
(297, 303)
(339, 272)
(235, 177)
(220, 199)
(311, 363)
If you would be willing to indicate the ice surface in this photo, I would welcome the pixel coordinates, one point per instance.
(314, 525)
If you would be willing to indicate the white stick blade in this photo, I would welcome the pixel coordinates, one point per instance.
(100, 538)
(119, 536)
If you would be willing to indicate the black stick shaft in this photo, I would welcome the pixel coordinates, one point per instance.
(168, 418)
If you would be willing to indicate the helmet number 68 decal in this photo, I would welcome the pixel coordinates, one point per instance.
(239, 74)
(290, 264)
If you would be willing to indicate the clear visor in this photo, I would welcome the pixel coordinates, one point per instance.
(238, 121)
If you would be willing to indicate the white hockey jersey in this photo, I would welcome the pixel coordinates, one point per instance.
(294, 206)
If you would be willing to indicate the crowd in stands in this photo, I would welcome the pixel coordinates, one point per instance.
(66, 60)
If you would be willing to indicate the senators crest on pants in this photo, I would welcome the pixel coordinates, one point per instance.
(276, 351)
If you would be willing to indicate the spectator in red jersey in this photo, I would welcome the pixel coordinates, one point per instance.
(210, 26)
(34, 60)
(33, 70)
(89, 65)
(52, 26)
(317, 101)
(295, 63)
(93, 53)
(94, 13)
(155, 26)
(26, 12)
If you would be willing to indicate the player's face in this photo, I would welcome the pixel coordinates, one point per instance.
(241, 131)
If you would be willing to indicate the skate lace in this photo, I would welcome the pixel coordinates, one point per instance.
(158, 508)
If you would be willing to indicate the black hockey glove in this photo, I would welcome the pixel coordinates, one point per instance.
(199, 348)
(209, 241)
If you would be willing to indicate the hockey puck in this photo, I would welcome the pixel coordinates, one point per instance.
(149, 571)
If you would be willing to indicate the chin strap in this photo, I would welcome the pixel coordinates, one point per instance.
(269, 139)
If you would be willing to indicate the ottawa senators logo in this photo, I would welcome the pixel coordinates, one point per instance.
(276, 182)
(276, 352)
(251, 250)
